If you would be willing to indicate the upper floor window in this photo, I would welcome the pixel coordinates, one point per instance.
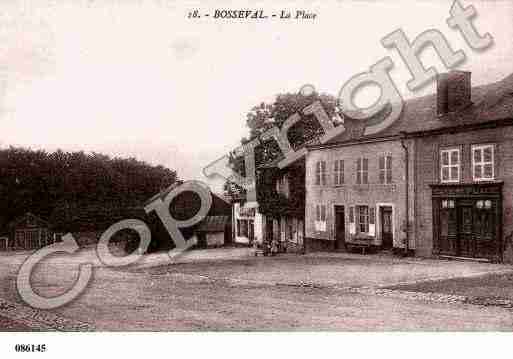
(338, 172)
(450, 165)
(482, 162)
(385, 169)
(362, 171)
(320, 173)
(320, 217)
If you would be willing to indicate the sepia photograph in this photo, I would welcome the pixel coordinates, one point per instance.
(257, 172)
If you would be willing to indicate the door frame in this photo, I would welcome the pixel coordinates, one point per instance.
(378, 222)
(335, 223)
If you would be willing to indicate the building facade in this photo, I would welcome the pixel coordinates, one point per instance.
(281, 194)
(464, 173)
(247, 222)
(356, 190)
(30, 232)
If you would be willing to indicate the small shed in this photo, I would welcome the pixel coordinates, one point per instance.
(214, 231)
(30, 232)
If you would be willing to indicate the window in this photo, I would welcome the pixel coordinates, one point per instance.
(363, 218)
(450, 165)
(282, 186)
(385, 169)
(320, 217)
(338, 172)
(320, 173)
(482, 163)
(242, 228)
(448, 203)
(362, 171)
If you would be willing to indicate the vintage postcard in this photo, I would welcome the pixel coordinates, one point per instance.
(254, 166)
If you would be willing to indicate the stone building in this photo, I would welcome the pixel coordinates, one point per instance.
(356, 191)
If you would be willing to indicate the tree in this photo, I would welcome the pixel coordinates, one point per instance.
(266, 115)
(41, 182)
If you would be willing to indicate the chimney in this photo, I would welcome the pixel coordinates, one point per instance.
(453, 91)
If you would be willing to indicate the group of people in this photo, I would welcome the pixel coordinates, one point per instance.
(269, 247)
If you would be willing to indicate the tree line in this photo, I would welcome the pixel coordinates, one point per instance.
(53, 184)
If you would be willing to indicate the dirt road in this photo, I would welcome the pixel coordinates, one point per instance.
(282, 293)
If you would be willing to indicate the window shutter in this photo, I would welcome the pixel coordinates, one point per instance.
(351, 214)
(381, 163)
(341, 169)
(389, 167)
(371, 215)
(323, 213)
(335, 173)
(365, 170)
(323, 172)
(359, 171)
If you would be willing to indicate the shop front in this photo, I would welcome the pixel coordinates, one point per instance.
(467, 220)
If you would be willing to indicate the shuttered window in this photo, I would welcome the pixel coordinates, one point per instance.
(320, 217)
(363, 218)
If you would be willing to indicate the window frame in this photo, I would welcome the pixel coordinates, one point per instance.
(359, 217)
(320, 217)
(385, 172)
(338, 172)
(320, 173)
(482, 163)
(450, 165)
(362, 171)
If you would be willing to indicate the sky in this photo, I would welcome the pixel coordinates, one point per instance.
(139, 78)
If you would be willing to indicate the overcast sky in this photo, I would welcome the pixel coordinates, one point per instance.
(138, 78)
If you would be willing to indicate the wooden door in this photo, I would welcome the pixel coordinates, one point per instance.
(485, 232)
(340, 227)
(466, 244)
(448, 231)
(269, 229)
(387, 238)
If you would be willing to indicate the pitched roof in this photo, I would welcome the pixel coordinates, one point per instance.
(36, 220)
(490, 102)
(213, 224)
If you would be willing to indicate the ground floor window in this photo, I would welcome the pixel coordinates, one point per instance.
(363, 219)
(320, 217)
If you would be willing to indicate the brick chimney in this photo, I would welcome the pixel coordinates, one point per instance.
(453, 91)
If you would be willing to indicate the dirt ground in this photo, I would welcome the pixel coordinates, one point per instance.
(486, 286)
(229, 289)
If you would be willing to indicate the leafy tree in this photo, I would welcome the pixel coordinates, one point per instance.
(266, 115)
(40, 182)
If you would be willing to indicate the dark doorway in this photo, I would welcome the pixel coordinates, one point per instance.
(467, 228)
(387, 238)
(467, 220)
(340, 228)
